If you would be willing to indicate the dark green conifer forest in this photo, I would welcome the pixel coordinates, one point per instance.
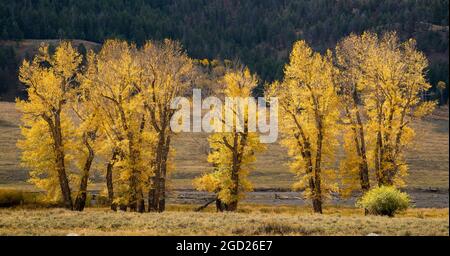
(258, 32)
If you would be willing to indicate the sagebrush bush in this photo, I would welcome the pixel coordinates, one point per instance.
(384, 200)
(11, 197)
(16, 197)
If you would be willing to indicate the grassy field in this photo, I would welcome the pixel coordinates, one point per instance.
(428, 158)
(251, 220)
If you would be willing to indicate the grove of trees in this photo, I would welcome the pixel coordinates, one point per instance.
(117, 107)
(112, 111)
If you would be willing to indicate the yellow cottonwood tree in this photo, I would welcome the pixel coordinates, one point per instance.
(309, 114)
(39, 156)
(85, 140)
(351, 52)
(233, 150)
(112, 76)
(49, 80)
(166, 72)
(394, 75)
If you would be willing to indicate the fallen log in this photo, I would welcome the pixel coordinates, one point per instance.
(280, 197)
(205, 205)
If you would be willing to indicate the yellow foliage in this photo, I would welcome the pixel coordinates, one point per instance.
(308, 119)
(48, 129)
(387, 76)
(232, 152)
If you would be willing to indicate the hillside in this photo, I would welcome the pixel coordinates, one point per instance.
(29, 47)
(258, 32)
(12, 53)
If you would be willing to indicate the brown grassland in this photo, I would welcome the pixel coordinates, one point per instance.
(250, 220)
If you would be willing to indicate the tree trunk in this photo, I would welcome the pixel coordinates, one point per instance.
(206, 204)
(317, 202)
(317, 205)
(220, 206)
(157, 193)
(306, 154)
(379, 149)
(162, 195)
(132, 201)
(360, 142)
(363, 168)
(135, 198)
(140, 202)
(162, 186)
(232, 206)
(155, 180)
(387, 155)
(63, 181)
(109, 179)
(80, 201)
(60, 165)
(123, 207)
(153, 197)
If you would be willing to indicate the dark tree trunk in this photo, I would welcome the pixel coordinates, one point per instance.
(317, 205)
(109, 180)
(305, 146)
(141, 202)
(379, 149)
(317, 201)
(220, 207)
(80, 201)
(157, 193)
(60, 165)
(135, 199)
(232, 206)
(162, 186)
(123, 207)
(155, 180)
(206, 205)
(162, 195)
(63, 181)
(153, 194)
(363, 168)
(361, 144)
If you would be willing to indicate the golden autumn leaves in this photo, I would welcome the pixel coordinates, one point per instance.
(309, 112)
(232, 153)
(115, 108)
(370, 89)
(111, 111)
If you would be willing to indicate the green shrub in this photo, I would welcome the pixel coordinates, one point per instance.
(10, 197)
(384, 200)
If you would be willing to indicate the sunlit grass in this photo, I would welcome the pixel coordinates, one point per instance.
(250, 220)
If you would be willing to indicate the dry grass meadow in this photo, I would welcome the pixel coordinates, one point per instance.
(429, 168)
(251, 220)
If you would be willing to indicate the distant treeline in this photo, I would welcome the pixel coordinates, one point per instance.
(258, 32)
